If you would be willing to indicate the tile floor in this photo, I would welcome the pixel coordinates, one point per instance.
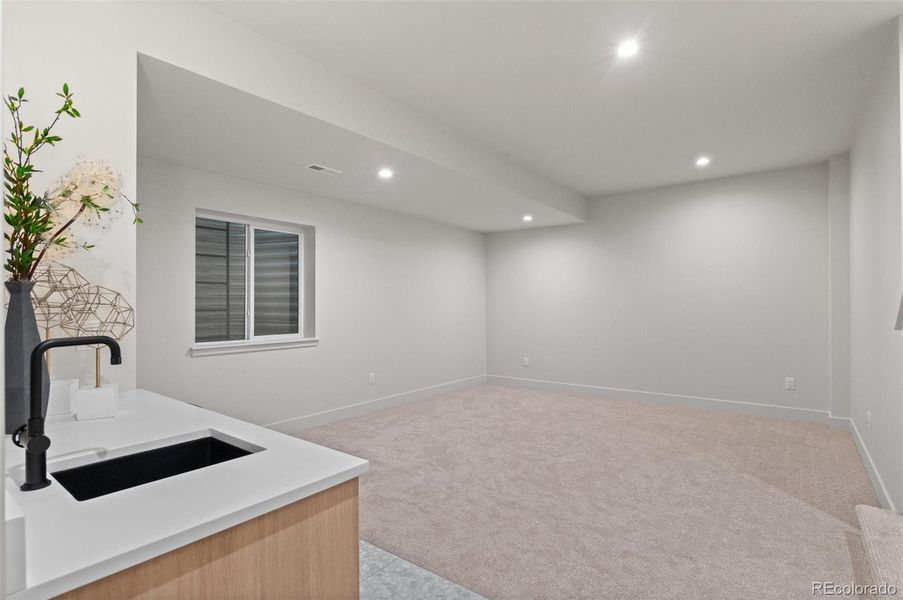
(385, 576)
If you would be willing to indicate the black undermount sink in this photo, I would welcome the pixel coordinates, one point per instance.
(124, 472)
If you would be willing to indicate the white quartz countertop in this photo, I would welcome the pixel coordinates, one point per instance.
(71, 543)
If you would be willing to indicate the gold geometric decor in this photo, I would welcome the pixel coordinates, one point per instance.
(63, 298)
(97, 310)
(56, 287)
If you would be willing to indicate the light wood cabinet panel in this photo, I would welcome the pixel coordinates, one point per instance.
(307, 550)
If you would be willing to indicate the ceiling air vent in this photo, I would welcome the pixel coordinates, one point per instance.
(323, 169)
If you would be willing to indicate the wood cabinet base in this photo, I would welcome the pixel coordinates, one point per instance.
(308, 549)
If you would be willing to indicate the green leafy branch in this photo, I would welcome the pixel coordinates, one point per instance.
(28, 214)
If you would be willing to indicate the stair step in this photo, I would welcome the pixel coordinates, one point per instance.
(882, 539)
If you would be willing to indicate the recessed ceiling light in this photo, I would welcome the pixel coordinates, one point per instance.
(628, 48)
(527, 218)
(703, 161)
(385, 173)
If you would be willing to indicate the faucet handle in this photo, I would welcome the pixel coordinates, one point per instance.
(35, 444)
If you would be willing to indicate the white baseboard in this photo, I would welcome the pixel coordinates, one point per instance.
(296, 424)
(875, 477)
(749, 408)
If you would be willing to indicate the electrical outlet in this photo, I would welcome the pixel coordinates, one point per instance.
(526, 361)
(372, 379)
(790, 384)
(868, 419)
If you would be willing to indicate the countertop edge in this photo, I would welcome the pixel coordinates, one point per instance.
(97, 571)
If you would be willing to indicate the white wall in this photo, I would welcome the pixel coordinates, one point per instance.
(876, 265)
(715, 290)
(839, 284)
(398, 296)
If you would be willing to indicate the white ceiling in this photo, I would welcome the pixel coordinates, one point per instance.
(191, 120)
(756, 85)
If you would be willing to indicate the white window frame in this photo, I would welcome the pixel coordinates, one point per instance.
(306, 252)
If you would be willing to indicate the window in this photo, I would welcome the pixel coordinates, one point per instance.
(253, 284)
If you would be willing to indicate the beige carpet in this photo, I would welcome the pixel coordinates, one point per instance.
(521, 494)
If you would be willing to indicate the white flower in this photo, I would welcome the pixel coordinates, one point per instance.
(92, 184)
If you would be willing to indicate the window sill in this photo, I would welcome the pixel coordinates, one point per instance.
(240, 347)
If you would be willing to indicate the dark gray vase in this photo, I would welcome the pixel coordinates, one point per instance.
(21, 336)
